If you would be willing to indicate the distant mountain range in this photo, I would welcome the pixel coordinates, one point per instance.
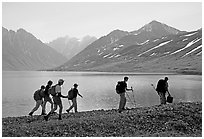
(23, 51)
(156, 47)
(69, 46)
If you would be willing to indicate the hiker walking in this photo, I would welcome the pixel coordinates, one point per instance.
(162, 88)
(57, 100)
(121, 89)
(47, 97)
(38, 97)
(72, 95)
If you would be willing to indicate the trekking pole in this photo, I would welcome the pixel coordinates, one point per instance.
(130, 99)
(133, 97)
(153, 86)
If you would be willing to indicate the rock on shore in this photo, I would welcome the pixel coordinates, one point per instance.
(182, 119)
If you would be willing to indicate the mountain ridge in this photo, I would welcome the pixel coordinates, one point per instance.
(147, 51)
(23, 51)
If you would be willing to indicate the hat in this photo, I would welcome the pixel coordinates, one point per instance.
(60, 81)
(75, 84)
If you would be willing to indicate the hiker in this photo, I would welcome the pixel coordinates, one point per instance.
(72, 95)
(121, 90)
(57, 100)
(38, 97)
(162, 88)
(47, 97)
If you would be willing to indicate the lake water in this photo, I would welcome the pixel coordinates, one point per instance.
(98, 89)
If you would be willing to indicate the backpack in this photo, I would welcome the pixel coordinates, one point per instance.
(37, 95)
(52, 91)
(161, 86)
(120, 87)
(70, 94)
(42, 93)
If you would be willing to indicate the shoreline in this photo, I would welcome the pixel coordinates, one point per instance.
(183, 119)
(123, 72)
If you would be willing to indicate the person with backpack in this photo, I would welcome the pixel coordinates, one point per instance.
(121, 89)
(72, 95)
(56, 93)
(162, 88)
(47, 97)
(38, 97)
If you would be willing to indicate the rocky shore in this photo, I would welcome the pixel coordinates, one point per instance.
(182, 119)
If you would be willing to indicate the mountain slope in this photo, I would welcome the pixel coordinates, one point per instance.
(71, 46)
(155, 47)
(22, 51)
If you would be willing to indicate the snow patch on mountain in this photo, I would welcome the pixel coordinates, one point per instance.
(185, 39)
(192, 51)
(143, 42)
(106, 55)
(155, 40)
(161, 44)
(190, 34)
(188, 45)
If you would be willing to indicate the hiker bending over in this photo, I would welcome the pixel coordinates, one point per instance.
(72, 95)
(38, 97)
(162, 88)
(47, 97)
(57, 100)
(121, 89)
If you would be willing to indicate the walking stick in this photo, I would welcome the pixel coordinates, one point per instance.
(130, 99)
(133, 97)
(153, 86)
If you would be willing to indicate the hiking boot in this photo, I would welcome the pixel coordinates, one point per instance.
(127, 108)
(54, 113)
(43, 113)
(46, 118)
(120, 111)
(31, 114)
(60, 117)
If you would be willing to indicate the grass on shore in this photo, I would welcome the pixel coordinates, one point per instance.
(182, 119)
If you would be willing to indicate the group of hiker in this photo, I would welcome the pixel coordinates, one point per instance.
(42, 96)
(162, 90)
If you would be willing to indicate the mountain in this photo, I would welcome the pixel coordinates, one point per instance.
(71, 46)
(23, 51)
(155, 47)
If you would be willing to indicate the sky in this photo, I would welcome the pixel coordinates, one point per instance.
(50, 20)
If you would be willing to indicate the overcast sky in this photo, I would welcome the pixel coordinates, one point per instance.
(48, 21)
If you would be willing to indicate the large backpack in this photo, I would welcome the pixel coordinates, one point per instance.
(120, 87)
(161, 86)
(70, 94)
(37, 95)
(52, 90)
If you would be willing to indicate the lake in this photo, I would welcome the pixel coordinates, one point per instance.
(97, 88)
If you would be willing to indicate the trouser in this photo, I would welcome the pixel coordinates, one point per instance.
(162, 97)
(47, 99)
(37, 105)
(74, 105)
(57, 102)
(55, 108)
(122, 101)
